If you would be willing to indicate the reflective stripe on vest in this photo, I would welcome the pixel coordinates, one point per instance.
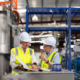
(30, 51)
(50, 58)
(53, 56)
(21, 64)
(25, 58)
(16, 51)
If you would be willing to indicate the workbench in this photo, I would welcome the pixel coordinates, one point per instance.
(64, 75)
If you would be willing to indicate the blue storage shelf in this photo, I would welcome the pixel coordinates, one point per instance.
(68, 11)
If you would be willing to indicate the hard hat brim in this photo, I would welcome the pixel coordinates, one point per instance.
(44, 42)
(29, 40)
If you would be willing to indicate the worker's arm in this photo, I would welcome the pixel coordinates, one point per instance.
(56, 60)
(13, 64)
(12, 61)
(34, 62)
(19, 67)
(46, 60)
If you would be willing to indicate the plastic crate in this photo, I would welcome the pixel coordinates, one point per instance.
(58, 67)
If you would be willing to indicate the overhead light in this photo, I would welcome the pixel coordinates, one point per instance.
(21, 10)
(58, 34)
(34, 3)
(21, 29)
(63, 24)
(35, 18)
(36, 42)
(66, 11)
(51, 10)
(54, 23)
(14, 3)
(78, 39)
(74, 37)
(41, 36)
(49, 24)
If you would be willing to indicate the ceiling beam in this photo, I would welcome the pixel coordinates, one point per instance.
(52, 17)
(28, 6)
(27, 3)
(58, 21)
(74, 15)
(62, 17)
(42, 2)
(70, 2)
(56, 3)
(76, 23)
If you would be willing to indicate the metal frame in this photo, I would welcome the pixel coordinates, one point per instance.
(69, 30)
(10, 2)
(28, 6)
(56, 11)
(16, 4)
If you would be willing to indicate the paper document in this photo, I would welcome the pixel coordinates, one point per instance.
(44, 69)
(24, 65)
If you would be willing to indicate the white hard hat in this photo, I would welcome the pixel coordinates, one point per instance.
(50, 41)
(24, 36)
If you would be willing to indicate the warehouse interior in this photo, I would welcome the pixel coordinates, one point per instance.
(42, 19)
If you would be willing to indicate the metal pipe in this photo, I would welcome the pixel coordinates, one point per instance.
(66, 57)
(66, 18)
(53, 29)
(16, 4)
(18, 16)
(10, 2)
(27, 19)
(69, 58)
(48, 8)
(43, 22)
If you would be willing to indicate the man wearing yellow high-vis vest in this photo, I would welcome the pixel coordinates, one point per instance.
(50, 57)
(24, 53)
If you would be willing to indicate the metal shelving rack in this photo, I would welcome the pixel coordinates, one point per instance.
(56, 11)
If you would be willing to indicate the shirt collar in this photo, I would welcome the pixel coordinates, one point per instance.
(49, 53)
(21, 47)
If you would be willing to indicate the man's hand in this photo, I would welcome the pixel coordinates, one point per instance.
(19, 67)
(44, 58)
(35, 67)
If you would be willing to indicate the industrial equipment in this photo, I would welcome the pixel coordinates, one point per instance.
(77, 68)
(4, 43)
(64, 75)
(77, 61)
(77, 48)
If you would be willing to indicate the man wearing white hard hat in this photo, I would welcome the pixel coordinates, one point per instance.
(50, 57)
(24, 53)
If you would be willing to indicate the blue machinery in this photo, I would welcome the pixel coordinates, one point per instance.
(77, 68)
(56, 11)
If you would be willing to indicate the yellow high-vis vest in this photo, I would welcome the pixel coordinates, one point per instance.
(51, 59)
(26, 58)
